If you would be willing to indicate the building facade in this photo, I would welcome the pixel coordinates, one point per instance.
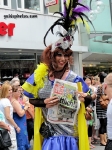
(23, 24)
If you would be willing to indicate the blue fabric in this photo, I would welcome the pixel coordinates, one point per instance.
(28, 94)
(77, 79)
(31, 79)
(60, 143)
(84, 85)
(22, 136)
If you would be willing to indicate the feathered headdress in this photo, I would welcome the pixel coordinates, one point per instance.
(68, 23)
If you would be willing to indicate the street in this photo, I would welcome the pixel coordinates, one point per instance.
(99, 147)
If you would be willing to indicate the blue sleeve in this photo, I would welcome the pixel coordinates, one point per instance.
(31, 81)
(29, 95)
(84, 85)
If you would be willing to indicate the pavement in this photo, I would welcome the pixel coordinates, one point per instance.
(98, 147)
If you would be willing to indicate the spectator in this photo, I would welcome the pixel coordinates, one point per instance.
(15, 81)
(3, 125)
(0, 85)
(29, 118)
(107, 86)
(7, 110)
(102, 116)
(20, 118)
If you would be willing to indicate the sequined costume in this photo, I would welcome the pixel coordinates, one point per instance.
(65, 138)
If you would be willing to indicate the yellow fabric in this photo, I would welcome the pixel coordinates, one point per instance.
(82, 125)
(37, 123)
(39, 77)
(82, 129)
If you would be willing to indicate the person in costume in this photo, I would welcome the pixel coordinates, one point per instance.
(55, 64)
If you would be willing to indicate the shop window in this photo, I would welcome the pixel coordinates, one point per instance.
(30, 5)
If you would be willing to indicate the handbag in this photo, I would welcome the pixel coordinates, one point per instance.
(46, 130)
(5, 140)
(104, 101)
(88, 114)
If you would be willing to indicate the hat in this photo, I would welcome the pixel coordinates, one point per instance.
(68, 24)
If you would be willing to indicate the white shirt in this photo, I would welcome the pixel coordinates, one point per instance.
(5, 102)
(109, 120)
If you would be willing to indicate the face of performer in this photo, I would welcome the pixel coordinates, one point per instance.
(61, 59)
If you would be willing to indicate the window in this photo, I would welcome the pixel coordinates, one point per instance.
(19, 4)
(5, 3)
(30, 5)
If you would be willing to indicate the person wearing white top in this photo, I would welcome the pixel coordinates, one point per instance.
(107, 86)
(7, 110)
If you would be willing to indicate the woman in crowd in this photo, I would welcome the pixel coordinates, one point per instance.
(90, 108)
(2, 122)
(7, 109)
(102, 116)
(96, 81)
(20, 118)
(29, 115)
(3, 125)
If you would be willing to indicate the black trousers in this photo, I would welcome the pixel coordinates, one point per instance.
(30, 128)
(103, 126)
(108, 145)
(90, 131)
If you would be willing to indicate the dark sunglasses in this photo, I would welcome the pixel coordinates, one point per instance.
(62, 55)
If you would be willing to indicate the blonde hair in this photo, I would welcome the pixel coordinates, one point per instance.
(97, 78)
(4, 90)
(12, 82)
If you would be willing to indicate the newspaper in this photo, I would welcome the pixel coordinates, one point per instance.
(65, 112)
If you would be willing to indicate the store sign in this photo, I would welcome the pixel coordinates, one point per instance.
(50, 2)
(6, 29)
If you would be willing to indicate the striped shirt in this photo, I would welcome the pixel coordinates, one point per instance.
(101, 113)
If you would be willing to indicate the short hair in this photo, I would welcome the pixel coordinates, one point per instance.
(108, 79)
(14, 80)
(102, 75)
(4, 90)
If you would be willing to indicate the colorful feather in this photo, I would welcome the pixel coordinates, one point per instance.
(73, 12)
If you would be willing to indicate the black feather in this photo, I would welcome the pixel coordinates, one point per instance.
(67, 17)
